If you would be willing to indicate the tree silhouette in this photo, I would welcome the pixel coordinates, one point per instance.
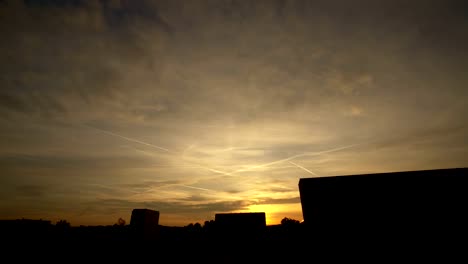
(120, 222)
(289, 222)
(193, 227)
(63, 227)
(291, 227)
(64, 224)
(209, 225)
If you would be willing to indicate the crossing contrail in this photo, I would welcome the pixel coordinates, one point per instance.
(232, 173)
(188, 148)
(129, 139)
(158, 147)
(300, 167)
(198, 188)
(293, 157)
(235, 171)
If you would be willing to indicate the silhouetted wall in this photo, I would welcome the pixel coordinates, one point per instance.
(25, 228)
(145, 222)
(410, 203)
(240, 224)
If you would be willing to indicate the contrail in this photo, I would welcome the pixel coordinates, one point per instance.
(188, 148)
(129, 139)
(142, 151)
(158, 147)
(293, 157)
(183, 185)
(111, 187)
(216, 171)
(288, 159)
(192, 165)
(198, 188)
(299, 166)
(178, 184)
(218, 193)
(229, 149)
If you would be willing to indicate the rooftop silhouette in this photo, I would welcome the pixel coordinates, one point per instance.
(252, 220)
(412, 206)
(145, 223)
(241, 224)
(405, 204)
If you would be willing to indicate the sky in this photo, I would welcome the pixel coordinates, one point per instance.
(193, 108)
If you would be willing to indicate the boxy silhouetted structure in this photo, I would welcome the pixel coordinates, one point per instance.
(410, 204)
(25, 229)
(240, 224)
(145, 223)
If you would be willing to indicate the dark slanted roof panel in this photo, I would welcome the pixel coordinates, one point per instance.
(387, 201)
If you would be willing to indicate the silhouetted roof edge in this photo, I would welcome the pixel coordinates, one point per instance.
(462, 169)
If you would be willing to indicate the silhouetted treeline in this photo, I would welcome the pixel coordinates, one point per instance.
(28, 229)
(392, 214)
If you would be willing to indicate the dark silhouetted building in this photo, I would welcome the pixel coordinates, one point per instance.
(412, 204)
(240, 224)
(25, 229)
(145, 222)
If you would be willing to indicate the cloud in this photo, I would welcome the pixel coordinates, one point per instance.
(355, 111)
(12, 102)
(32, 191)
(151, 184)
(83, 162)
(174, 208)
(280, 189)
(83, 66)
(246, 84)
(280, 201)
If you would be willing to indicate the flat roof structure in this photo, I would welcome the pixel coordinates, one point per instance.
(386, 202)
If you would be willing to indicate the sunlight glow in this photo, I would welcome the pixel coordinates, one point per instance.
(276, 212)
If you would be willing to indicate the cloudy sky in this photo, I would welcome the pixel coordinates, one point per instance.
(194, 108)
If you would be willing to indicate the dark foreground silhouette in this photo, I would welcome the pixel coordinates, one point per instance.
(194, 243)
(407, 215)
(410, 205)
